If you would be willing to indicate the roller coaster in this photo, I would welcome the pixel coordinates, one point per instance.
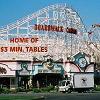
(60, 44)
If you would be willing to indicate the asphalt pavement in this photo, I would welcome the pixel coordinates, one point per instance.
(71, 96)
(60, 96)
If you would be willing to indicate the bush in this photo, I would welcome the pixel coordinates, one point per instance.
(20, 89)
(13, 91)
(97, 88)
(1, 90)
(36, 90)
(6, 90)
(45, 89)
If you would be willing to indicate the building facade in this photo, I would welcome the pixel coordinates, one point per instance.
(34, 51)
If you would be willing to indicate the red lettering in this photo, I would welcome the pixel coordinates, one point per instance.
(17, 40)
(16, 49)
(3, 49)
(54, 28)
(34, 40)
(46, 49)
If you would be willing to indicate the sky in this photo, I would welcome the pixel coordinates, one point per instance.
(12, 10)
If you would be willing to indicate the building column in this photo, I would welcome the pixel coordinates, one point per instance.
(13, 83)
(30, 82)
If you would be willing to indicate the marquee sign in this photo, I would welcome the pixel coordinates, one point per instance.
(49, 71)
(54, 28)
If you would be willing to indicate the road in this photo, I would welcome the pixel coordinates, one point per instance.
(58, 96)
(72, 96)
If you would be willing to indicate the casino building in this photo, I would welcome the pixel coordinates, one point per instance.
(43, 48)
(26, 73)
(41, 73)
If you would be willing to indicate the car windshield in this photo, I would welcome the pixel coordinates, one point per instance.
(62, 83)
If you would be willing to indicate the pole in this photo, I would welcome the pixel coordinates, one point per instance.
(46, 81)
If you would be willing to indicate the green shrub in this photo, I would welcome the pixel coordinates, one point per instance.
(1, 90)
(97, 88)
(13, 91)
(6, 90)
(36, 90)
(20, 89)
(45, 89)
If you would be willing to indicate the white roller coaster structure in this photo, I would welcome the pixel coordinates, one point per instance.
(60, 44)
